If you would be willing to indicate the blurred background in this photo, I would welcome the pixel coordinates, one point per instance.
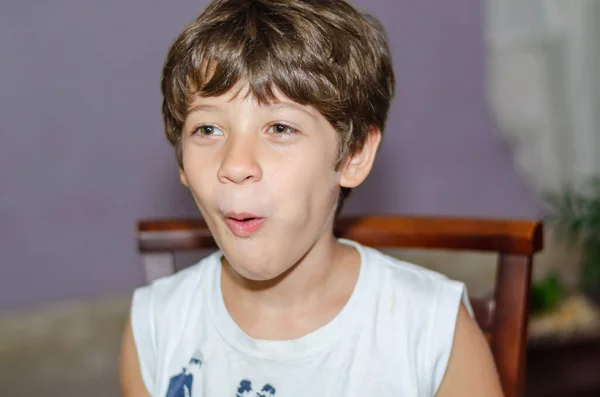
(497, 114)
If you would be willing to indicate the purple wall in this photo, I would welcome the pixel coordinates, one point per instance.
(82, 153)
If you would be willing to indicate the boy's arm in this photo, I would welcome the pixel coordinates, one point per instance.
(471, 370)
(132, 384)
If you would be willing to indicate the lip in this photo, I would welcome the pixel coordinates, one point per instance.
(244, 224)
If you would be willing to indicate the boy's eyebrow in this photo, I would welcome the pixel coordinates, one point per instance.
(275, 106)
(291, 105)
(205, 107)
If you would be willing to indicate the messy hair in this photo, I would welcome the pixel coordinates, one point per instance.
(321, 53)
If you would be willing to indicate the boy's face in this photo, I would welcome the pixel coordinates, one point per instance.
(263, 178)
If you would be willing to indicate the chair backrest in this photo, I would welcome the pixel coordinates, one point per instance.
(503, 317)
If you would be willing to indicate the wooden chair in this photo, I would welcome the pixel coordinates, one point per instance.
(503, 317)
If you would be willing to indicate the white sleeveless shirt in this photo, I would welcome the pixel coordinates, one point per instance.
(392, 338)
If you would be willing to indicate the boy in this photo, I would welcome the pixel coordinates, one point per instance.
(276, 109)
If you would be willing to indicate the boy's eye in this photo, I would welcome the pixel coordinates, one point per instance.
(282, 129)
(208, 130)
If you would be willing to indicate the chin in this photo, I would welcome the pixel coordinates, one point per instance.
(253, 275)
(255, 268)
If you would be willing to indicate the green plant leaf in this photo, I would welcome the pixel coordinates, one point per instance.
(574, 215)
(546, 294)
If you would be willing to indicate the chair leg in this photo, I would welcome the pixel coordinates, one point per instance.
(509, 335)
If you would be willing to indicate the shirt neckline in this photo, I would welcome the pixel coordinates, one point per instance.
(310, 344)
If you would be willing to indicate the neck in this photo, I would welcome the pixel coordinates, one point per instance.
(316, 272)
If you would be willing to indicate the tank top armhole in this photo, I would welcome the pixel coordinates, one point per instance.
(450, 295)
(143, 330)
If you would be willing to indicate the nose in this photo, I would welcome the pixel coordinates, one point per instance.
(239, 163)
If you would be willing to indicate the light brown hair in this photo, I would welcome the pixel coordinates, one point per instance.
(322, 53)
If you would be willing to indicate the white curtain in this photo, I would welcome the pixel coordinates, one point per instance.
(543, 82)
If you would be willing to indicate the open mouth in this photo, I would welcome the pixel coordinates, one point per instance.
(244, 225)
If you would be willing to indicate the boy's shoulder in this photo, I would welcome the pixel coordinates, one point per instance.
(422, 305)
(408, 277)
(171, 291)
(415, 295)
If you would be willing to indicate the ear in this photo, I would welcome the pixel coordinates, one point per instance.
(183, 178)
(358, 165)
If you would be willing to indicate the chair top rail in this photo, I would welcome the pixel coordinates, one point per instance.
(512, 236)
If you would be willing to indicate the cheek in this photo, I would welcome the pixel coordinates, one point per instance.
(309, 190)
(197, 173)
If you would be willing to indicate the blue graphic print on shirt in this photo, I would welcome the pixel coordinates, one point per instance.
(267, 390)
(245, 388)
(181, 385)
